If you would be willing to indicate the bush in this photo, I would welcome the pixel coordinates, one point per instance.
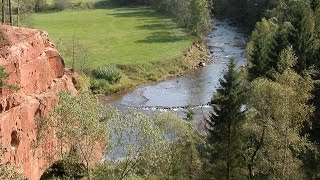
(82, 83)
(39, 5)
(61, 4)
(108, 73)
(3, 76)
(99, 86)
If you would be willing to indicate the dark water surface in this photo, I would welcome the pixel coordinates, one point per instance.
(195, 89)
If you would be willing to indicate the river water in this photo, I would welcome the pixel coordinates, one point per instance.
(196, 88)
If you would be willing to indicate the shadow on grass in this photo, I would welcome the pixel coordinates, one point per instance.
(157, 26)
(137, 12)
(107, 4)
(162, 31)
(162, 37)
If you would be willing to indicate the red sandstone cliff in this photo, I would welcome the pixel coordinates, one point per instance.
(37, 68)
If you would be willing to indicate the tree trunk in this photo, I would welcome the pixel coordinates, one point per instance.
(284, 171)
(228, 151)
(18, 13)
(3, 11)
(250, 165)
(10, 11)
(73, 54)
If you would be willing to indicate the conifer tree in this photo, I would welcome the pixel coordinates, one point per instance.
(260, 48)
(225, 124)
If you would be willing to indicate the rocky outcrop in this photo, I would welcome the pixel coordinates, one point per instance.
(36, 77)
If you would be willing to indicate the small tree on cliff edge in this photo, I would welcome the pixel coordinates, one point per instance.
(225, 124)
(79, 123)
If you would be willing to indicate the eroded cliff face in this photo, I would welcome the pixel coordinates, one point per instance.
(37, 68)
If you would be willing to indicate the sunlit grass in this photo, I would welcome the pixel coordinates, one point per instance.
(117, 36)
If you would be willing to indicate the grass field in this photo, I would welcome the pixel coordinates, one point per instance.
(117, 36)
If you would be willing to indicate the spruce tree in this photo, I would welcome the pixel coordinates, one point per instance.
(225, 124)
(260, 48)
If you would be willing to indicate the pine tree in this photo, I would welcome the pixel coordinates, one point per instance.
(225, 124)
(260, 48)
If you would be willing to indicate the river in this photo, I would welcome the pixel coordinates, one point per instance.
(195, 89)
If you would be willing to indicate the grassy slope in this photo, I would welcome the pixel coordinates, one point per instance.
(117, 36)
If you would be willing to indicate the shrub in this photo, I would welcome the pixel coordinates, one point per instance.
(61, 4)
(83, 82)
(14, 87)
(3, 76)
(99, 86)
(108, 73)
(39, 5)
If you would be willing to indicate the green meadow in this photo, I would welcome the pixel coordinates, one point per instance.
(122, 36)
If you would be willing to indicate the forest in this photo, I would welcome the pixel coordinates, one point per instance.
(264, 119)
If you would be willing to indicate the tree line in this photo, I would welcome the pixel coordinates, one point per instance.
(194, 15)
(22, 8)
(265, 119)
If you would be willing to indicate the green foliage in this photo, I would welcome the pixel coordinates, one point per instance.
(260, 48)
(191, 14)
(100, 86)
(278, 111)
(40, 5)
(83, 83)
(190, 114)
(292, 23)
(6, 171)
(225, 125)
(61, 4)
(144, 147)
(3, 76)
(80, 124)
(108, 73)
(200, 17)
(14, 87)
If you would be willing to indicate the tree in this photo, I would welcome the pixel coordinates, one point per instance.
(300, 14)
(23, 10)
(3, 11)
(6, 171)
(273, 125)
(18, 12)
(150, 147)
(39, 5)
(225, 124)
(200, 16)
(10, 11)
(259, 48)
(80, 125)
(61, 4)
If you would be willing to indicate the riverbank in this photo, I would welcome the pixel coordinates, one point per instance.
(136, 75)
